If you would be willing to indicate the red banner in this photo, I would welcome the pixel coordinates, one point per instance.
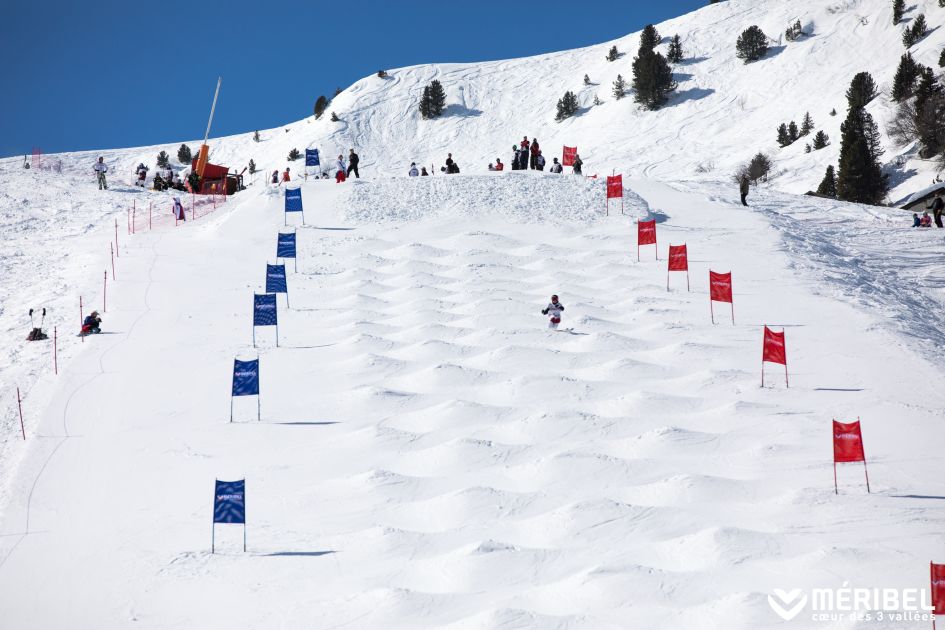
(678, 258)
(646, 232)
(720, 287)
(938, 588)
(615, 187)
(567, 158)
(847, 442)
(774, 350)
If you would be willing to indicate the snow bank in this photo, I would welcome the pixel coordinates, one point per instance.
(518, 197)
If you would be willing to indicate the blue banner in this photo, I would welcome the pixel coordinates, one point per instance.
(293, 200)
(246, 377)
(229, 502)
(311, 157)
(264, 309)
(285, 247)
(275, 279)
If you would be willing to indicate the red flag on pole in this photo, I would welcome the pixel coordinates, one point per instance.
(615, 186)
(678, 261)
(567, 156)
(773, 351)
(848, 447)
(720, 290)
(938, 587)
(646, 235)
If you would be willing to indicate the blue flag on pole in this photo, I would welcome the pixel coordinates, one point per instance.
(229, 502)
(293, 200)
(311, 157)
(246, 377)
(285, 247)
(264, 310)
(275, 279)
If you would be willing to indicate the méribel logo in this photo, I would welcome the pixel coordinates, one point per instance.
(787, 604)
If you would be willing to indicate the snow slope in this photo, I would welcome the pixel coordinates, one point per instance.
(431, 456)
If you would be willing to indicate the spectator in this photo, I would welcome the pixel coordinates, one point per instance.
(413, 170)
(100, 169)
(353, 160)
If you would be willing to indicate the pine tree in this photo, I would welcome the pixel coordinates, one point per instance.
(752, 44)
(794, 31)
(652, 79)
(926, 89)
(783, 138)
(433, 101)
(906, 75)
(899, 7)
(334, 117)
(828, 186)
(792, 131)
(320, 106)
(860, 177)
(929, 117)
(675, 53)
(587, 80)
(862, 90)
(807, 125)
(649, 37)
(612, 54)
(620, 87)
(820, 140)
(252, 167)
(567, 106)
(294, 155)
(807, 148)
(255, 136)
(184, 156)
(914, 33)
(337, 92)
(596, 100)
(833, 112)
(941, 59)
(163, 159)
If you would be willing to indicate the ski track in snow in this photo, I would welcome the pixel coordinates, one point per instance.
(455, 464)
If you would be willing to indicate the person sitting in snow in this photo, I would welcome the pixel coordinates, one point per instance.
(142, 173)
(423, 171)
(92, 324)
(413, 170)
(553, 311)
(556, 166)
(916, 221)
(499, 166)
(926, 220)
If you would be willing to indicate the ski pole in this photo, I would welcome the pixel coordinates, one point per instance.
(116, 237)
(112, 249)
(19, 404)
(55, 351)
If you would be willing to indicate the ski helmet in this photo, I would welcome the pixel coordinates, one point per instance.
(554, 298)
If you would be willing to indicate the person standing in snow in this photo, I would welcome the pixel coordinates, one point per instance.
(499, 166)
(285, 175)
(937, 207)
(743, 187)
(340, 169)
(413, 170)
(553, 311)
(142, 173)
(100, 169)
(353, 160)
(449, 163)
(578, 163)
(516, 152)
(534, 153)
(556, 166)
(275, 177)
(540, 161)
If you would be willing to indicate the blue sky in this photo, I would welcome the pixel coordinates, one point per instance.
(104, 74)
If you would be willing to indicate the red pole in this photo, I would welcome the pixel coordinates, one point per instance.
(127, 222)
(55, 352)
(133, 219)
(104, 292)
(116, 238)
(81, 320)
(110, 247)
(149, 215)
(19, 404)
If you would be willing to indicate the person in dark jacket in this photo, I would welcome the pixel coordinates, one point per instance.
(556, 166)
(540, 161)
(578, 163)
(534, 153)
(937, 208)
(553, 311)
(743, 187)
(353, 160)
(423, 171)
(916, 221)
(92, 324)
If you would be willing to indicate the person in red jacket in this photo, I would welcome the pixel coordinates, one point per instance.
(499, 166)
(534, 152)
(285, 174)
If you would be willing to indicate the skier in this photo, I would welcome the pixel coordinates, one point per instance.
(540, 161)
(743, 185)
(556, 166)
(92, 324)
(553, 311)
(499, 166)
(534, 151)
(275, 177)
(937, 207)
(178, 210)
(285, 175)
(340, 170)
(578, 163)
(413, 170)
(142, 173)
(353, 160)
(100, 169)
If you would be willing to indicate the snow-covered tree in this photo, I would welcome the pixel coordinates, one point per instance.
(620, 87)
(752, 44)
(675, 53)
(612, 54)
(807, 125)
(567, 106)
(294, 155)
